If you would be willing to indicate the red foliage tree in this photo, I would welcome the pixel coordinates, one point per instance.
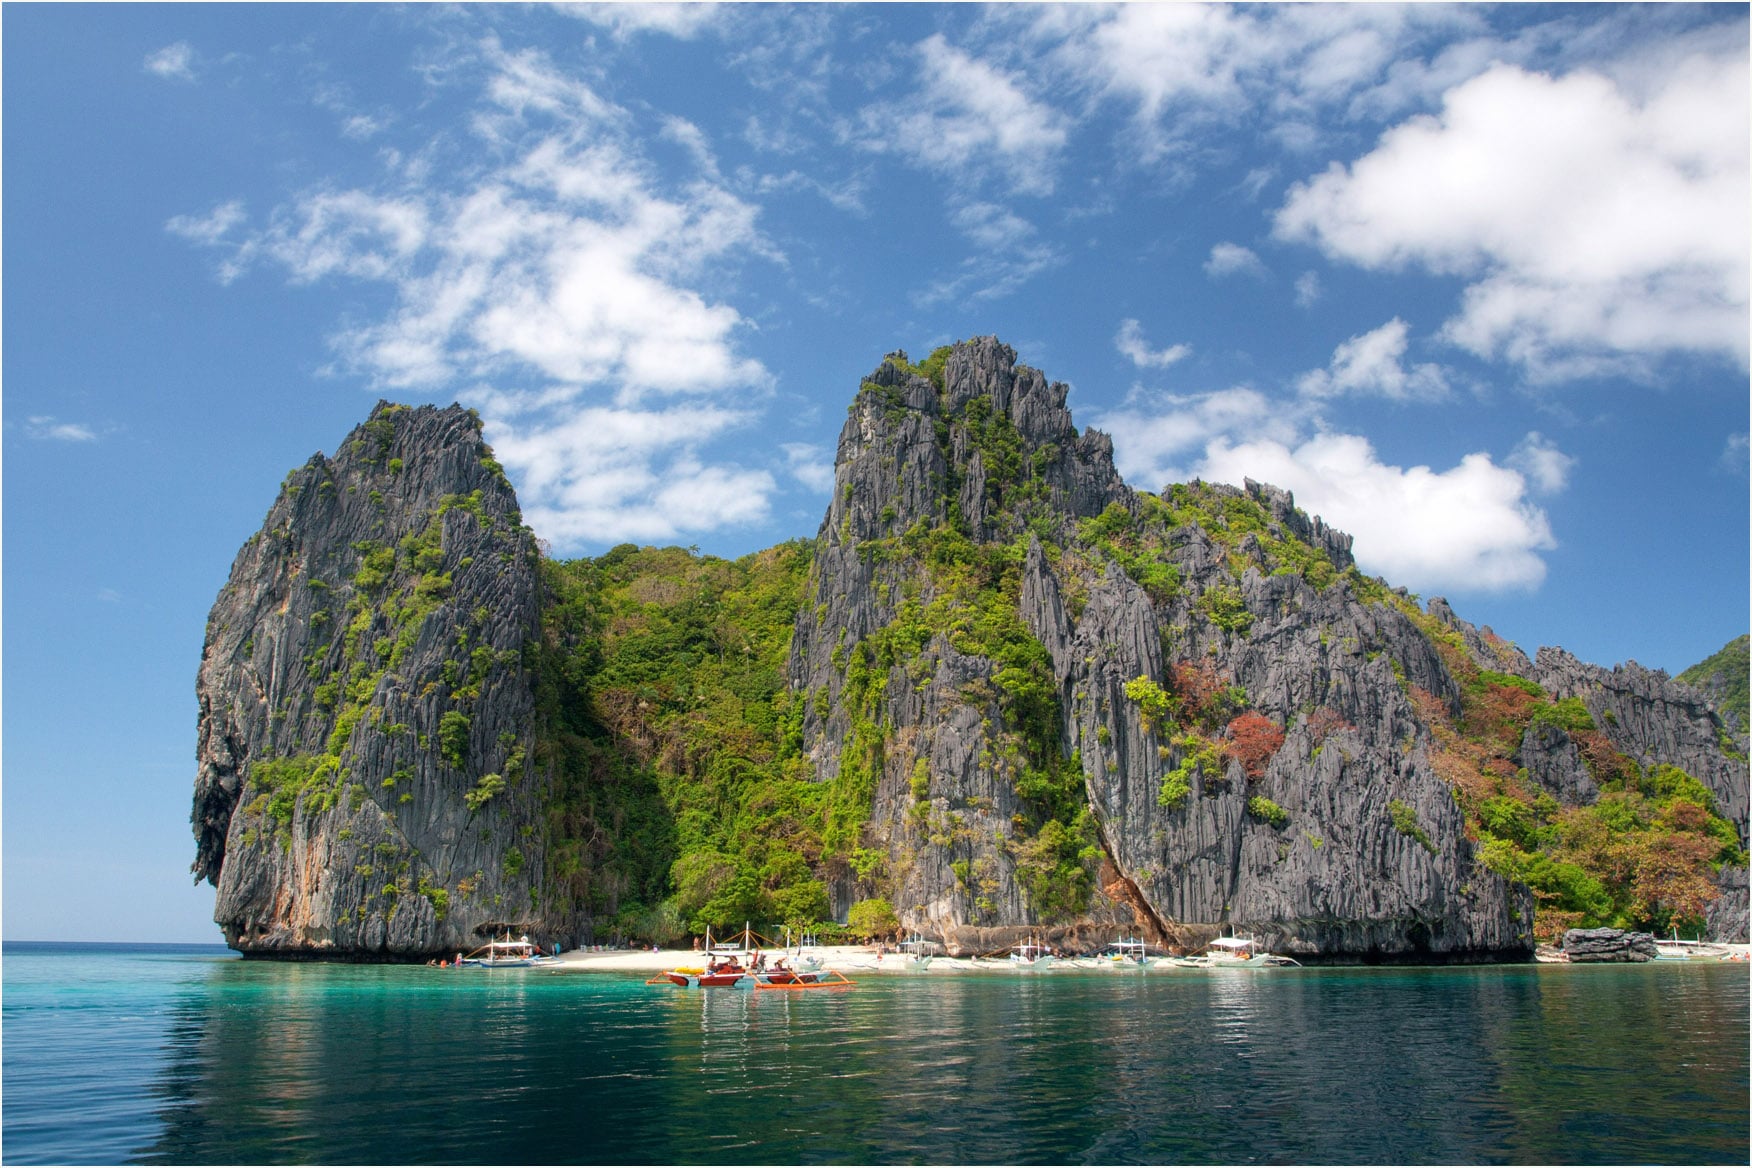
(1206, 697)
(1499, 715)
(1325, 721)
(1253, 739)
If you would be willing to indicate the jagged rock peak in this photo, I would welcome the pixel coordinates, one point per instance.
(1652, 718)
(984, 367)
(967, 431)
(365, 716)
(1310, 530)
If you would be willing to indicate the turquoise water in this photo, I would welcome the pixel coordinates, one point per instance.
(187, 1055)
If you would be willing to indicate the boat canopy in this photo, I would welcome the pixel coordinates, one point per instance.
(1235, 944)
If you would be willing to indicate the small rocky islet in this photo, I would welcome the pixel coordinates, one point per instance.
(1001, 694)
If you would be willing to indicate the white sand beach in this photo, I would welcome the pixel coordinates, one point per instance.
(848, 959)
(845, 958)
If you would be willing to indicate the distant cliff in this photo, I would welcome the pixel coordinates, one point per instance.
(1001, 692)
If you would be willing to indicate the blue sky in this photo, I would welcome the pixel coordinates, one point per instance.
(1472, 282)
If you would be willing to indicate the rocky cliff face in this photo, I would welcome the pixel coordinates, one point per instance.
(365, 713)
(969, 840)
(1654, 719)
(1022, 698)
(1206, 707)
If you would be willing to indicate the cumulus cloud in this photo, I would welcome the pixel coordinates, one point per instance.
(969, 117)
(991, 226)
(1468, 528)
(991, 276)
(556, 284)
(606, 474)
(1157, 438)
(1231, 259)
(1130, 342)
(1599, 226)
(172, 62)
(1372, 365)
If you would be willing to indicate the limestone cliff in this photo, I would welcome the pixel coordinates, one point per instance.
(1018, 696)
(365, 714)
(1245, 732)
(966, 847)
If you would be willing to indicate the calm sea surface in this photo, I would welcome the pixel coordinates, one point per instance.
(162, 1054)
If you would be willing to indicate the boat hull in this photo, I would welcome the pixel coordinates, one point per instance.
(704, 981)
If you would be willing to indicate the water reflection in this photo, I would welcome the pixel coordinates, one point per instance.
(1511, 1064)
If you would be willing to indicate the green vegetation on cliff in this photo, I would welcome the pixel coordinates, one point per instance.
(678, 798)
(1723, 675)
(1644, 855)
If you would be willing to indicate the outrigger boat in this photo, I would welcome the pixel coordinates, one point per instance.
(919, 952)
(506, 954)
(802, 954)
(1030, 955)
(791, 979)
(725, 966)
(746, 968)
(1128, 951)
(1233, 953)
(1673, 949)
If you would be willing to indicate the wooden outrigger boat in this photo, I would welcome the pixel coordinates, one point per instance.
(1674, 949)
(787, 979)
(1128, 952)
(919, 952)
(747, 968)
(506, 954)
(1233, 953)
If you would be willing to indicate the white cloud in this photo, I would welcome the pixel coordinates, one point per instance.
(682, 21)
(211, 228)
(1372, 365)
(1157, 436)
(991, 226)
(1186, 68)
(969, 118)
(1599, 227)
(1542, 462)
(556, 278)
(1307, 289)
(1130, 342)
(991, 276)
(172, 62)
(1734, 452)
(46, 428)
(809, 465)
(1231, 259)
(1468, 528)
(606, 474)
(347, 233)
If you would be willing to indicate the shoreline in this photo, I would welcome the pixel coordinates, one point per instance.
(852, 959)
